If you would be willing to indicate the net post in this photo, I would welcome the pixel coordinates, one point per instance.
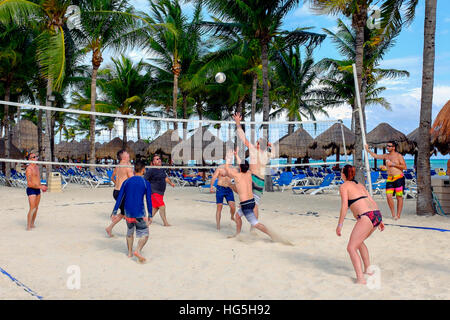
(363, 131)
(343, 140)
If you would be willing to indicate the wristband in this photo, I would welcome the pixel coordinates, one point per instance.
(340, 224)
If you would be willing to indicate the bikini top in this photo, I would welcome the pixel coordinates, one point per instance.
(350, 202)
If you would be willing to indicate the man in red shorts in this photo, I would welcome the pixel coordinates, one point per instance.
(158, 179)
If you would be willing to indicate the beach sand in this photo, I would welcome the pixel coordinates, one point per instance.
(192, 260)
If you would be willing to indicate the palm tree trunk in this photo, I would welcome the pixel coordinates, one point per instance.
(92, 117)
(124, 142)
(359, 20)
(48, 129)
(253, 111)
(424, 200)
(138, 123)
(185, 115)
(6, 124)
(266, 103)
(52, 138)
(174, 100)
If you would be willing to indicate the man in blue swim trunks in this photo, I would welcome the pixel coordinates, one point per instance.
(243, 183)
(223, 190)
(132, 194)
(34, 188)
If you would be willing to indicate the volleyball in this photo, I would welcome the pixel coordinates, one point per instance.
(220, 77)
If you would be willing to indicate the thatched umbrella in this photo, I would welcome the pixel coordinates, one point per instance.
(384, 133)
(140, 147)
(333, 140)
(110, 149)
(440, 131)
(164, 143)
(294, 145)
(413, 138)
(319, 153)
(25, 135)
(14, 152)
(63, 150)
(203, 145)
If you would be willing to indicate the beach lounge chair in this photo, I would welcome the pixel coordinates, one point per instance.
(324, 185)
(284, 180)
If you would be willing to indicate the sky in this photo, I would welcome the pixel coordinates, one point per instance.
(403, 94)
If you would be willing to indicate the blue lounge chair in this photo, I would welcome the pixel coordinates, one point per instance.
(207, 186)
(284, 180)
(325, 184)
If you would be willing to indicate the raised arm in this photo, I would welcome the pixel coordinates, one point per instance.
(374, 155)
(241, 134)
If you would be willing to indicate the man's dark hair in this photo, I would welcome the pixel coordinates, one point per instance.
(244, 166)
(394, 144)
(119, 154)
(139, 165)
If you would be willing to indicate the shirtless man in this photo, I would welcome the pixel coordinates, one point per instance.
(259, 158)
(396, 181)
(243, 182)
(120, 174)
(223, 191)
(34, 188)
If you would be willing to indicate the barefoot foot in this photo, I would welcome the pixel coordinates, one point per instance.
(361, 281)
(108, 231)
(140, 257)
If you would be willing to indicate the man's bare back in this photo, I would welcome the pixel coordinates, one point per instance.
(121, 174)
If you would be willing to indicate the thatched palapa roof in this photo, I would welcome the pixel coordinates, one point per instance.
(110, 149)
(383, 133)
(14, 152)
(332, 139)
(164, 143)
(294, 145)
(440, 130)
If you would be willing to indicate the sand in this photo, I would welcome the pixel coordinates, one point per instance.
(192, 260)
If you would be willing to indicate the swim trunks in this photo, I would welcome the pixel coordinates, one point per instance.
(395, 183)
(374, 216)
(157, 200)
(257, 185)
(224, 192)
(115, 195)
(33, 191)
(247, 210)
(137, 224)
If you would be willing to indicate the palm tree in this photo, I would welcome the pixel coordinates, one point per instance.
(177, 44)
(97, 33)
(340, 78)
(48, 16)
(357, 11)
(17, 59)
(124, 88)
(261, 21)
(424, 200)
(295, 83)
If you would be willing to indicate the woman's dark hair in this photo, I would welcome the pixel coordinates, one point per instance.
(349, 171)
(244, 166)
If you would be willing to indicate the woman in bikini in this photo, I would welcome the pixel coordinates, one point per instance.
(368, 217)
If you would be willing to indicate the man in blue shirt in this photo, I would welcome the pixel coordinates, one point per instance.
(132, 194)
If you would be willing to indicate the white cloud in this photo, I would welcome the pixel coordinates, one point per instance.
(402, 63)
(441, 94)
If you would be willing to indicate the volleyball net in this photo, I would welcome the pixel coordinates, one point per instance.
(61, 137)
